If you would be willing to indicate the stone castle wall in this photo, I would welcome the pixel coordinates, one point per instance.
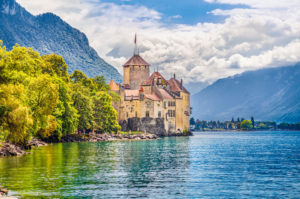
(148, 124)
(137, 75)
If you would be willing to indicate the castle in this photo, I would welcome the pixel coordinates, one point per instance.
(150, 102)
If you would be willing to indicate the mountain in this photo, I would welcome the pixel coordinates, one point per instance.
(267, 94)
(47, 33)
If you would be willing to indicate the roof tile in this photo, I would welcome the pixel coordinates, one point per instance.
(136, 60)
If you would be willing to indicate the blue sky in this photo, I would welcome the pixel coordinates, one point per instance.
(182, 11)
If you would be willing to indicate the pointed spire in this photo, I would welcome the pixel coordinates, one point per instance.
(135, 52)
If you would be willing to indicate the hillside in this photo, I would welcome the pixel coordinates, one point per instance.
(268, 94)
(47, 33)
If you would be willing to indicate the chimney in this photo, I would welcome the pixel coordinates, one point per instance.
(181, 84)
(174, 76)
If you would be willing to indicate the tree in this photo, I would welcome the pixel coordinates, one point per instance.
(84, 106)
(192, 121)
(15, 117)
(43, 98)
(252, 121)
(55, 65)
(65, 113)
(246, 125)
(105, 116)
(100, 84)
(39, 98)
(78, 77)
(19, 65)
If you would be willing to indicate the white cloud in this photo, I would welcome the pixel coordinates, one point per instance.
(267, 34)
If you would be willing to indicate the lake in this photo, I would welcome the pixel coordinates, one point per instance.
(207, 165)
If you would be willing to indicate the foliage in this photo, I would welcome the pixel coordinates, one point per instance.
(185, 131)
(66, 114)
(105, 116)
(56, 66)
(84, 105)
(246, 125)
(38, 98)
(42, 99)
(15, 117)
(287, 126)
(192, 121)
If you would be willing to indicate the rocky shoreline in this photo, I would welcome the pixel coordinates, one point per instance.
(9, 149)
(106, 137)
(4, 194)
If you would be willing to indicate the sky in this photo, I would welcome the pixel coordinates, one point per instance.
(200, 40)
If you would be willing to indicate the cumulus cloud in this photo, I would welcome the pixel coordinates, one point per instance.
(265, 34)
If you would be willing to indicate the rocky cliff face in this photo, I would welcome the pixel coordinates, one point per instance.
(47, 33)
(268, 94)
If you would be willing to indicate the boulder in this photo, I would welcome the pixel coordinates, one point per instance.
(9, 149)
(37, 143)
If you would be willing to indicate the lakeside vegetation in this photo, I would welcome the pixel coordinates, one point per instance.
(240, 124)
(38, 98)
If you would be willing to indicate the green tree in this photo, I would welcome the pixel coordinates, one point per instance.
(192, 121)
(65, 114)
(78, 77)
(100, 84)
(84, 105)
(15, 117)
(252, 121)
(55, 65)
(105, 116)
(38, 99)
(43, 99)
(246, 125)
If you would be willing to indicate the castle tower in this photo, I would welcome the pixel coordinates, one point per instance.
(135, 70)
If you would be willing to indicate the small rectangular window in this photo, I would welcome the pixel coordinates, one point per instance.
(147, 113)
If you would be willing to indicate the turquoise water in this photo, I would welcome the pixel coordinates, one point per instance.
(207, 165)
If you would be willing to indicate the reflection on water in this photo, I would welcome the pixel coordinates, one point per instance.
(106, 169)
(207, 165)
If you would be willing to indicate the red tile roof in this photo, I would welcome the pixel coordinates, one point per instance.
(136, 60)
(165, 94)
(153, 97)
(113, 85)
(131, 94)
(150, 80)
(175, 86)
